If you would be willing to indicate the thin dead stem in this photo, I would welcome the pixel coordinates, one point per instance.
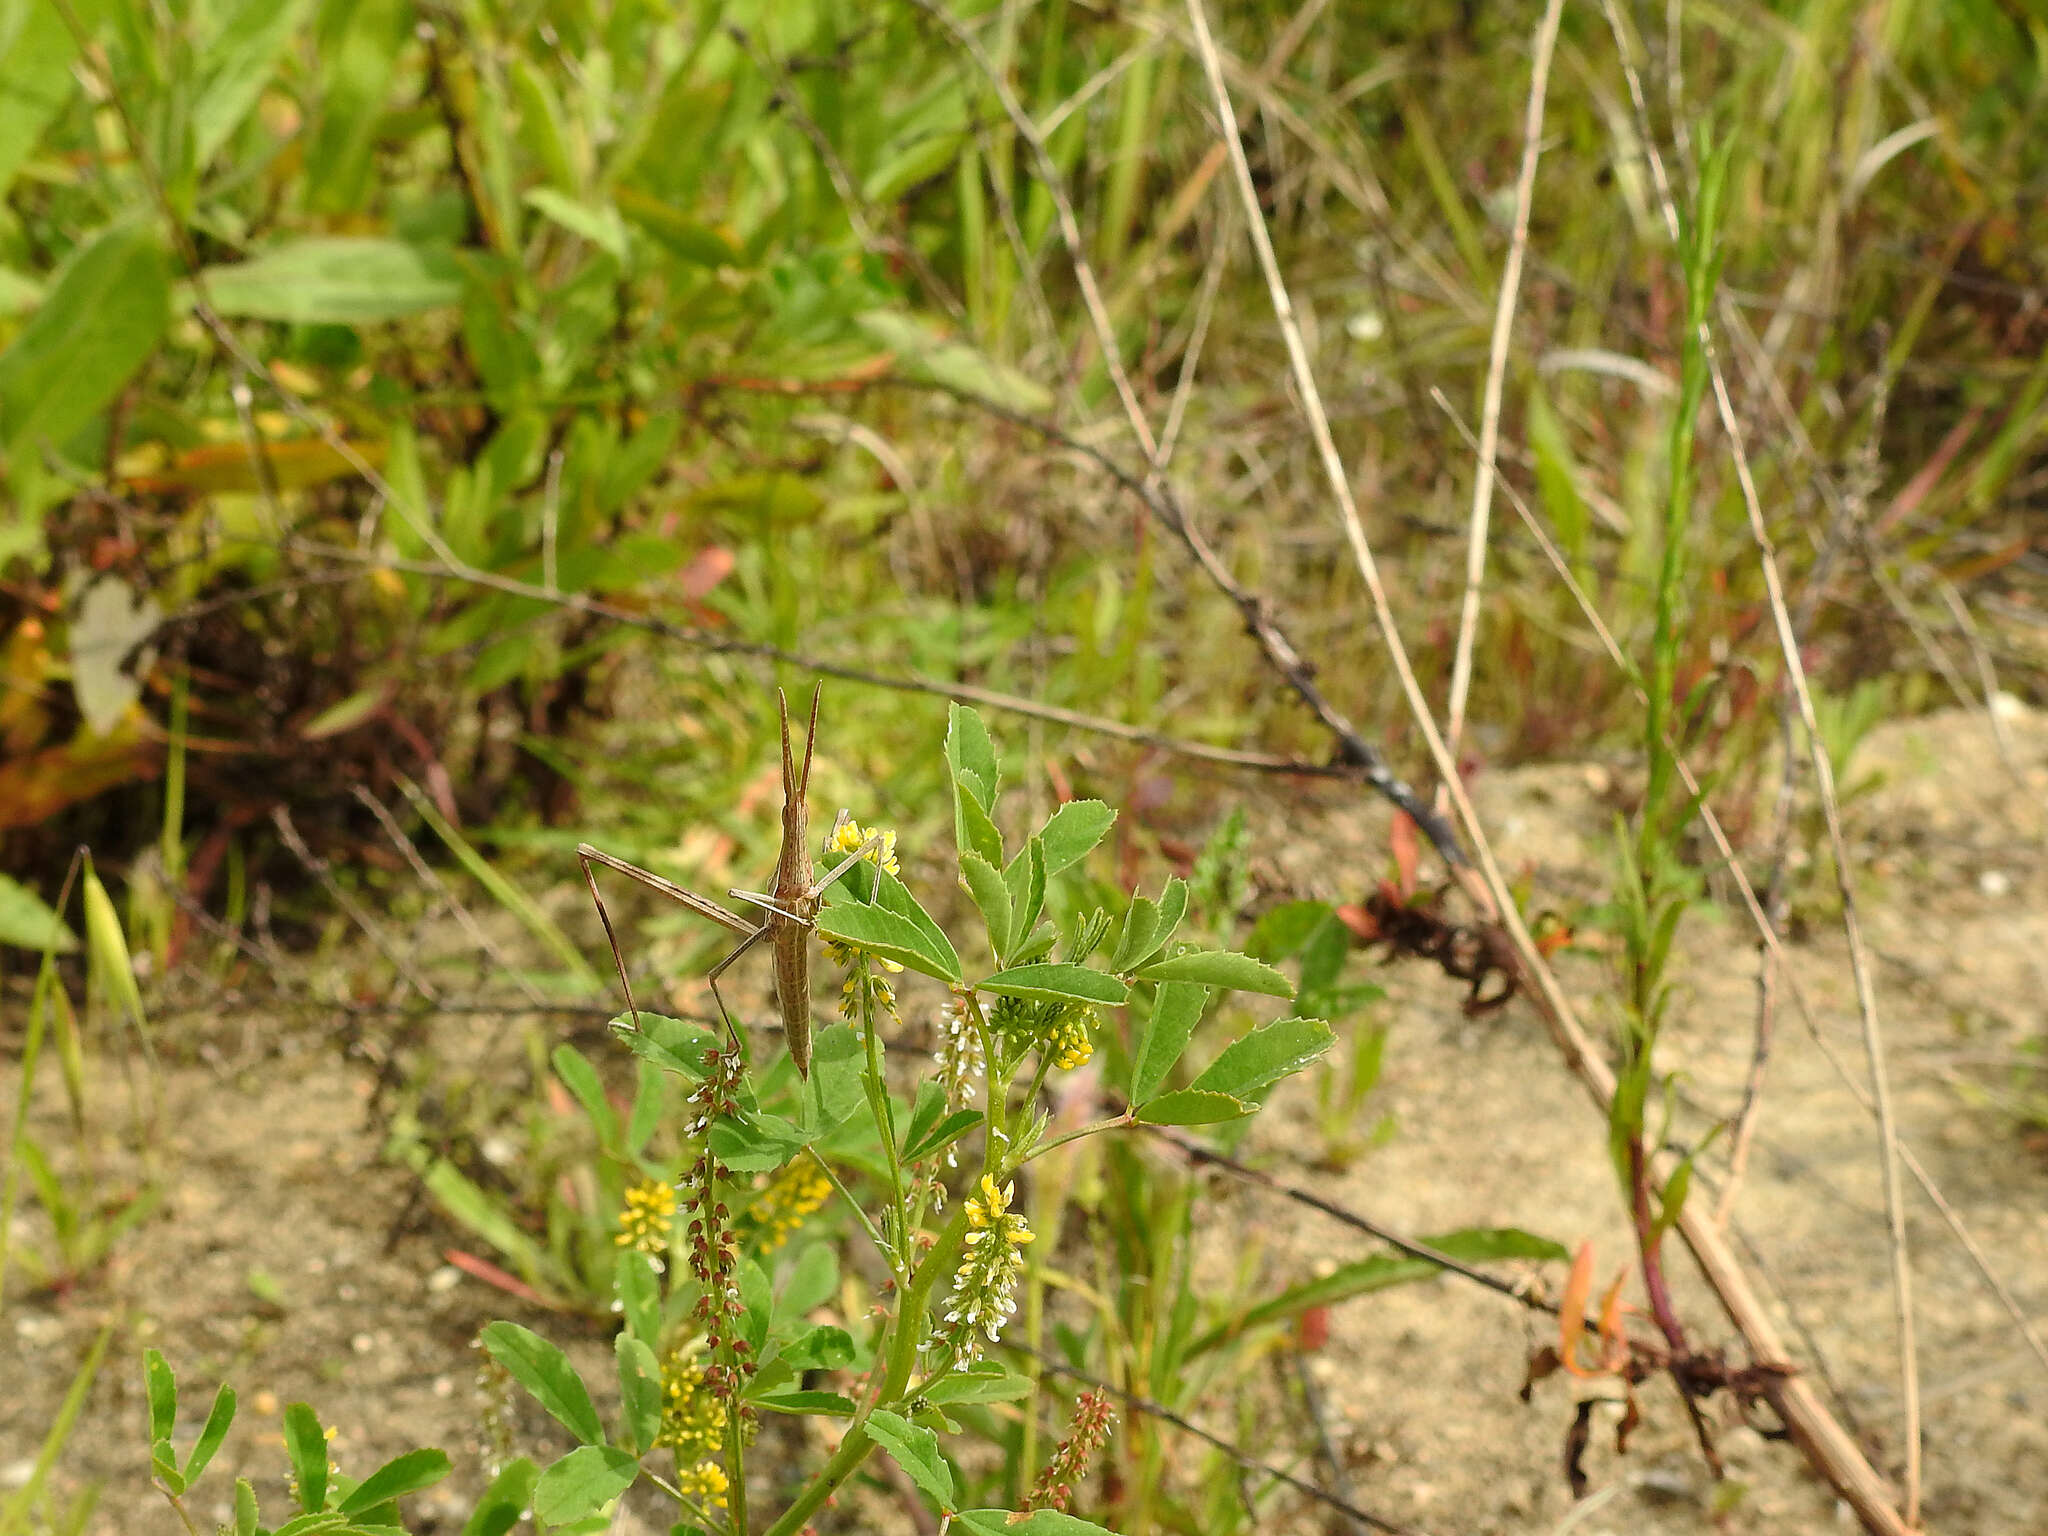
(1496, 374)
(1830, 1448)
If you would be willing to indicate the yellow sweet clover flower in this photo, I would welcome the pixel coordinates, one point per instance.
(706, 1482)
(780, 1209)
(1069, 1044)
(985, 1284)
(848, 837)
(692, 1420)
(649, 1217)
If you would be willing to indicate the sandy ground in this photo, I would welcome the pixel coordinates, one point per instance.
(290, 1259)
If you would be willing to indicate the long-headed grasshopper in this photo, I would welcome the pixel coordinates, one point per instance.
(791, 908)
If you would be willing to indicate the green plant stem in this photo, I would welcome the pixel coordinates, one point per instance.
(879, 1107)
(900, 1362)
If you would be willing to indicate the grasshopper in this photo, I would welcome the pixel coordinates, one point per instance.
(791, 908)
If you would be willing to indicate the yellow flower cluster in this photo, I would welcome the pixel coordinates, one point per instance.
(849, 835)
(985, 1284)
(781, 1208)
(1069, 1044)
(649, 1217)
(692, 1420)
(706, 1482)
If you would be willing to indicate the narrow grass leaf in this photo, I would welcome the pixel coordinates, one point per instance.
(916, 1450)
(575, 1070)
(1057, 982)
(1220, 968)
(582, 1483)
(36, 50)
(399, 1476)
(1176, 1008)
(1472, 1245)
(461, 1199)
(1254, 1063)
(503, 890)
(545, 1371)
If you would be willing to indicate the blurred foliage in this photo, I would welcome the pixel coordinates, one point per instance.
(350, 350)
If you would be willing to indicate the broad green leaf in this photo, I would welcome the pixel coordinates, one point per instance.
(18, 293)
(236, 65)
(639, 1391)
(36, 50)
(833, 1093)
(891, 936)
(575, 1070)
(1281, 931)
(986, 1381)
(336, 280)
(160, 1383)
(1042, 1522)
(1057, 982)
(1134, 939)
(985, 884)
(755, 1143)
(1472, 1245)
(1192, 1106)
(1220, 968)
(637, 1285)
(305, 1445)
(395, 1479)
(106, 312)
(545, 1371)
(971, 756)
(582, 1483)
(974, 831)
(246, 1512)
(215, 1430)
(505, 1502)
(1255, 1062)
(602, 227)
(810, 1281)
(916, 1450)
(1176, 1008)
(824, 1348)
(676, 1045)
(1025, 882)
(1072, 831)
(925, 1112)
